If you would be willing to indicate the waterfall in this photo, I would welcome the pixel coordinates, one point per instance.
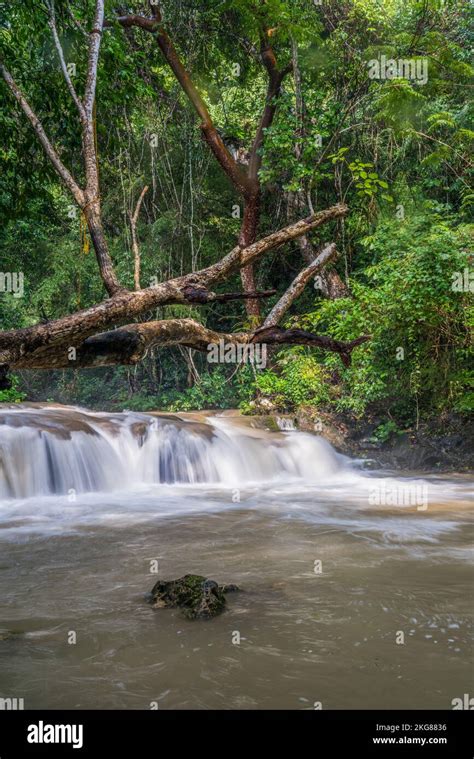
(58, 450)
(285, 424)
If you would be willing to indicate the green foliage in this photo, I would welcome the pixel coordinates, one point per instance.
(385, 431)
(297, 379)
(420, 326)
(213, 391)
(13, 394)
(366, 180)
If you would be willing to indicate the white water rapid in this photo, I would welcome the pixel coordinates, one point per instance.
(57, 450)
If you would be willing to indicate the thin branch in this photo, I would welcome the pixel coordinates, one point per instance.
(76, 23)
(135, 245)
(445, 144)
(60, 51)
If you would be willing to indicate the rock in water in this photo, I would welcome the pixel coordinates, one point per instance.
(197, 596)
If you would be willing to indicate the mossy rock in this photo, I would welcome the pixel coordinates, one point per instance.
(197, 596)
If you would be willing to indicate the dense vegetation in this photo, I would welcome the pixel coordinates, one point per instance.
(396, 150)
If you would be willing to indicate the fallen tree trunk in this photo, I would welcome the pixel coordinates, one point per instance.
(31, 346)
(129, 345)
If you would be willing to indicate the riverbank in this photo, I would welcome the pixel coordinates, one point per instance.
(444, 444)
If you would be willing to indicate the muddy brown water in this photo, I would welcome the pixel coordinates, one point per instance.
(344, 603)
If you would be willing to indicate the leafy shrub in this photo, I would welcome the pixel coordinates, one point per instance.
(13, 395)
(297, 379)
(416, 361)
(214, 391)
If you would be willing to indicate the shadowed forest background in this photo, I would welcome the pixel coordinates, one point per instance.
(396, 151)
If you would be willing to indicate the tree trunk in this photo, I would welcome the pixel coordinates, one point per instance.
(247, 236)
(94, 223)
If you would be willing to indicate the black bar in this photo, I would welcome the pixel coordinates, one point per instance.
(220, 733)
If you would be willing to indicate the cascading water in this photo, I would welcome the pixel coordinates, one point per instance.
(56, 450)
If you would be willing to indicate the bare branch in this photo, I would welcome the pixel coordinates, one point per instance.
(67, 77)
(279, 336)
(127, 345)
(88, 132)
(332, 286)
(328, 254)
(304, 226)
(92, 208)
(134, 19)
(94, 47)
(201, 295)
(138, 205)
(135, 246)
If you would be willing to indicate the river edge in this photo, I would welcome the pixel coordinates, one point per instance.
(444, 444)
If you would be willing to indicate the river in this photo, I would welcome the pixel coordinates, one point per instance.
(356, 584)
